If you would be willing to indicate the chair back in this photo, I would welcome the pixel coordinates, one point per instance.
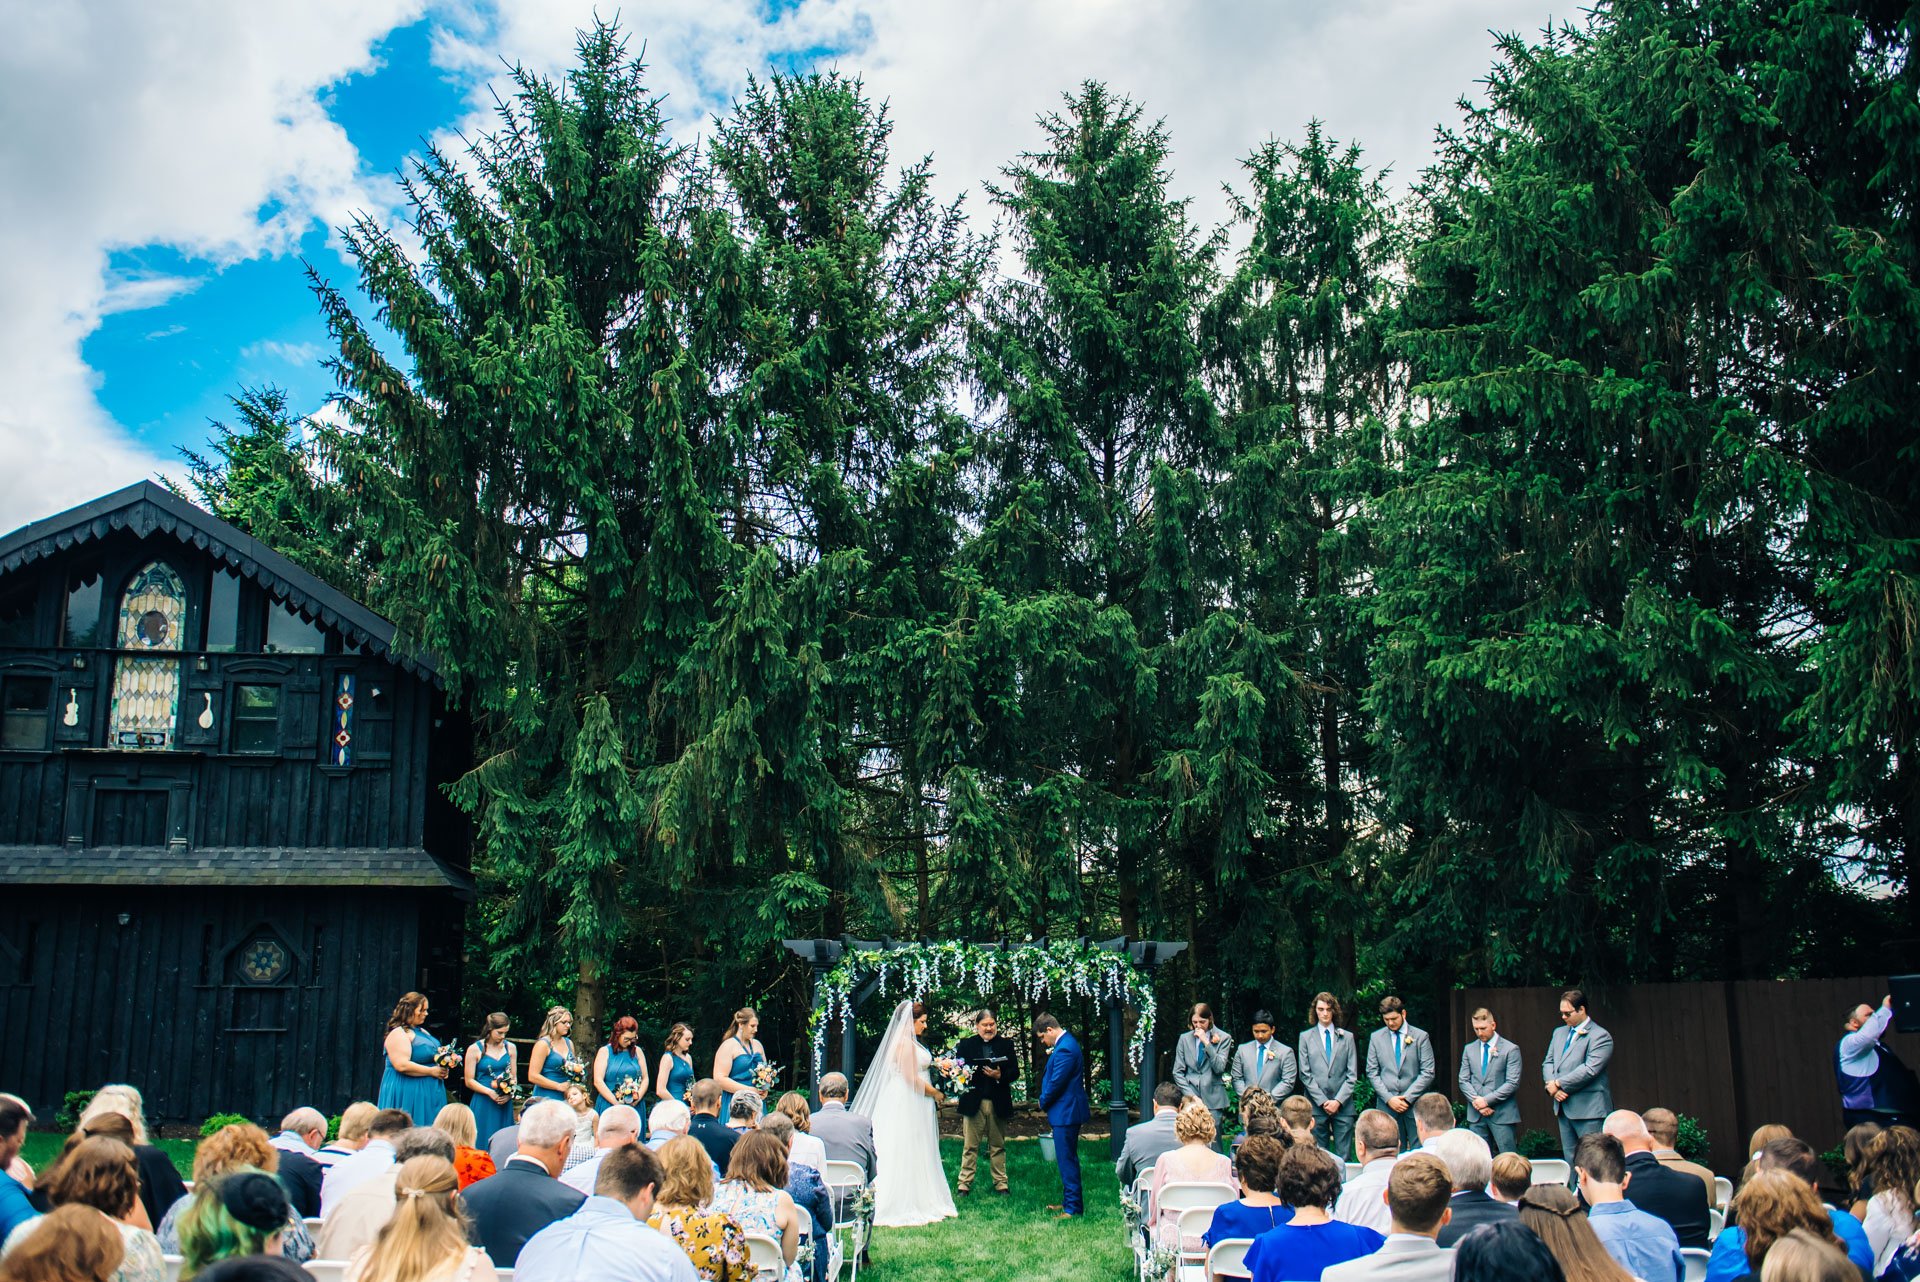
(1187, 1195)
(1228, 1258)
(1716, 1222)
(327, 1270)
(1695, 1261)
(1551, 1170)
(1722, 1191)
(1352, 1172)
(313, 1223)
(174, 1264)
(806, 1219)
(1194, 1223)
(764, 1256)
(844, 1174)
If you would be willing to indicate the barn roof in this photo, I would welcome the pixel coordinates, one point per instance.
(147, 509)
(407, 867)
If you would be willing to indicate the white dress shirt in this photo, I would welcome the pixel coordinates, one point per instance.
(1361, 1201)
(349, 1173)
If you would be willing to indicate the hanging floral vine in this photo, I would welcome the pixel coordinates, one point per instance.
(1060, 968)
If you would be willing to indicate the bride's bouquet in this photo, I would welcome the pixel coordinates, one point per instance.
(765, 1077)
(957, 1072)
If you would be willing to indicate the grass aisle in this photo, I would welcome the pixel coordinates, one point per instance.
(999, 1239)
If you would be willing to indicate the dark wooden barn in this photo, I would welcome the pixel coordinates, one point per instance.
(224, 847)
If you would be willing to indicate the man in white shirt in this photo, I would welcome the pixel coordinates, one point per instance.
(1376, 1140)
(608, 1238)
(619, 1126)
(355, 1220)
(349, 1173)
(1418, 1196)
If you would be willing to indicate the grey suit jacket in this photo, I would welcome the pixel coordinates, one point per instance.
(1581, 1070)
(1146, 1141)
(1403, 1257)
(1276, 1077)
(1201, 1070)
(1323, 1080)
(1499, 1085)
(1413, 1075)
(847, 1135)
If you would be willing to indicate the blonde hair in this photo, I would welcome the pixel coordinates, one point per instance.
(119, 1098)
(427, 1230)
(1297, 1112)
(549, 1027)
(231, 1148)
(457, 1120)
(357, 1121)
(794, 1105)
(686, 1174)
(1194, 1123)
(1802, 1257)
(740, 1018)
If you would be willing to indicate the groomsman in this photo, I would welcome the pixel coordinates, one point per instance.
(1063, 1098)
(1575, 1072)
(1264, 1062)
(1400, 1066)
(1328, 1071)
(1200, 1064)
(1489, 1082)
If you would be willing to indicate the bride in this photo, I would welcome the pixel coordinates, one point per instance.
(909, 1186)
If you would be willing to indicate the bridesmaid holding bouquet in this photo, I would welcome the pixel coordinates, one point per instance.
(547, 1065)
(734, 1064)
(617, 1065)
(676, 1064)
(490, 1071)
(413, 1081)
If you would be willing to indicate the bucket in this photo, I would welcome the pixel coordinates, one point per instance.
(1046, 1148)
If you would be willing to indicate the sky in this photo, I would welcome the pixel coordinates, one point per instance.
(170, 172)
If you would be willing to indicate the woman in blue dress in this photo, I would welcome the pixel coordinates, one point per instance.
(547, 1064)
(676, 1065)
(617, 1062)
(412, 1082)
(490, 1076)
(739, 1055)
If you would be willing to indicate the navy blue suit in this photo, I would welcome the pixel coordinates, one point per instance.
(1063, 1097)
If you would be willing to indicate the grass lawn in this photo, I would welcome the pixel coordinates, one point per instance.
(43, 1146)
(998, 1239)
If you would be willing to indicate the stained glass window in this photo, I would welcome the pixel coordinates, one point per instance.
(146, 691)
(340, 747)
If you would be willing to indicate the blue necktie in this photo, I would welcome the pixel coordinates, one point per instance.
(1483, 1059)
(1397, 1043)
(1565, 1050)
(1328, 1034)
(1259, 1063)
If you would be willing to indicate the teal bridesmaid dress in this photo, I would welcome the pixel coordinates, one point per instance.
(555, 1069)
(420, 1098)
(622, 1066)
(490, 1071)
(679, 1077)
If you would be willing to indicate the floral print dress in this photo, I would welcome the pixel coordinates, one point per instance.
(712, 1240)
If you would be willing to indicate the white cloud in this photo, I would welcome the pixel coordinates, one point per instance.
(193, 124)
(274, 349)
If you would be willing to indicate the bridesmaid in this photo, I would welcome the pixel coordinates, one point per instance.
(740, 1054)
(547, 1063)
(490, 1074)
(676, 1064)
(618, 1061)
(412, 1082)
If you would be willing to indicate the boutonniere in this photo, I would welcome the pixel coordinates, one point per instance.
(1581, 1033)
(1406, 1039)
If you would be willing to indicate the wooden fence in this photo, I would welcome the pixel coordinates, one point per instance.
(1733, 1055)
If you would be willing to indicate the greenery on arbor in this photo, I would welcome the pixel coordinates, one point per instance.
(1514, 582)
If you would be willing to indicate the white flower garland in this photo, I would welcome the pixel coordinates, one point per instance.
(1034, 971)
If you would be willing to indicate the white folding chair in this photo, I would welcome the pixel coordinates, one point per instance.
(174, 1264)
(330, 1270)
(1722, 1191)
(1550, 1170)
(313, 1223)
(1716, 1221)
(1352, 1171)
(1194, 1222)
(765, 1256)
(844, 1180)
(1228, 1259)
(1695, 1261)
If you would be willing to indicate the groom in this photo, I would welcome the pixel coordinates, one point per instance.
(1063, 1097)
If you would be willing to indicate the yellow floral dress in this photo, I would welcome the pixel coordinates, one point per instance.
(713, 1241)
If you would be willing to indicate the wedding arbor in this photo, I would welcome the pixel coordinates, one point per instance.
(1117, 972)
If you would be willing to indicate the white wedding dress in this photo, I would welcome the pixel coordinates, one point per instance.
(909, 1185)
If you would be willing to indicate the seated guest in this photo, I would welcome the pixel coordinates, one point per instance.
(1505, 1251)
(1757, 1143)
(713, 1241)
(352, 1135)
(470, 1164)
(302, 1132)
(79, 1245)
(1417, 1195)
(755, 1195)
(808, 1192)
(425, 1239)
(847, 1135)
(361, 1214)
(374, 1158)
(1893, 1169)
(666, 1121)
(113, 1126)
(743, 1111)
(1376, 1143)
(1802, 1257)
(1664, 1125)
(619, 1126)
(1643, 1244)
(703, 1101)
(1795, 1158)
(242, 1212)
(527, 1194)
(102, 1174)
(160, 1182)
(1770, 1205)
(807, 1149)
(16, 1206)
(1432, 1114)
(1554, 1213)
(1312, 1239)
(255, 1268)
(1674, 1196)
(1259, 1207)
(1470, 1164)
(585, 1122)
(1147, 1141)
(1259, 1115)
(503, 1144)
(1195, 1161)
(1854, 1146)
(608, 1239)
(240, 1147)
(1297, 1112)
(1512, 1177)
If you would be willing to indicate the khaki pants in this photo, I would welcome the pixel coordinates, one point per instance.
(989, 1126)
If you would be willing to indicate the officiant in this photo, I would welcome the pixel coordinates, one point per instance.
(987, 1102)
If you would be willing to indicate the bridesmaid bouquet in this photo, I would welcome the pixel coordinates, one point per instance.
(629, 1093)
(448, 1057)
(519, 1094)
(765, 1076)
(574, 1069)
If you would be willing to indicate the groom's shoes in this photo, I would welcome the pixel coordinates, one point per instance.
(965, 1192)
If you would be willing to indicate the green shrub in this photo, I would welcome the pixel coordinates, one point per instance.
(1459, 1113)
(333, 1128)
(1835, 1160)
(1538, 1143)
(1691, 1141)
(71, 1106)
(219, 1120)
(1363, 1096)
